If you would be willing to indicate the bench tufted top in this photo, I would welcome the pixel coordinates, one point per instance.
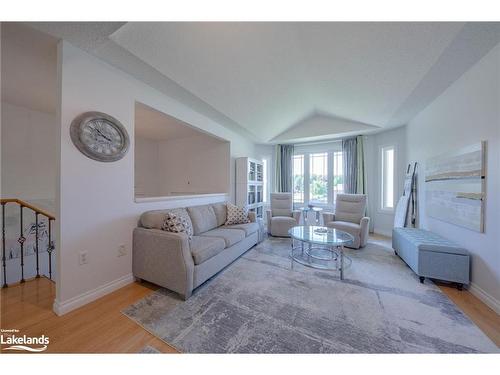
(429, 241)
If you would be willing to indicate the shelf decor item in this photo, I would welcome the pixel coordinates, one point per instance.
(99, 136)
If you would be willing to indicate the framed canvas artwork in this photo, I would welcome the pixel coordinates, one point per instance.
(455, 187)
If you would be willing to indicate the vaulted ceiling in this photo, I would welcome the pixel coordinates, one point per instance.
(292, 82)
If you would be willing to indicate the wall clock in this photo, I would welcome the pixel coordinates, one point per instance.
(99, 136)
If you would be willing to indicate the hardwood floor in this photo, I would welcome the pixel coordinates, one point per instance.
(481, 314)
(477, 311)
(99, 327)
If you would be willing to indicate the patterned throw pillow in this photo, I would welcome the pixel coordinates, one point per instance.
(177, 221)
(236, 215)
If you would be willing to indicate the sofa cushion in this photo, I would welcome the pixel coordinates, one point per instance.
(350, 207)
(236, 214)
(281, 204)
(249, 228)
(345, 226)
(281, 224)
(220, 211)
(204, 248)
(230, 236)
(203, 218)
(177, 220)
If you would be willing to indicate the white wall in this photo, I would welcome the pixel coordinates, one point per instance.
(147, 167)
(382, 221)
(96, 210)
(467, 112)
(28, 153)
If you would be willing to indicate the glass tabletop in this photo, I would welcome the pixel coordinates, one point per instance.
(320, 235)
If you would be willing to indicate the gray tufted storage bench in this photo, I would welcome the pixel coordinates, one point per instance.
(430, 255)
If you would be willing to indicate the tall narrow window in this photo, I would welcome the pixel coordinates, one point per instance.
(338, 174)
(318, 182)
(387, 178)
(298, 178)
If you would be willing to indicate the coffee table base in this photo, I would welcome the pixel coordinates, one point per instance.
(320, 257)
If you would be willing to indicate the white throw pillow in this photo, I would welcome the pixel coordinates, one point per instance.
(236, 215)
(178, 221)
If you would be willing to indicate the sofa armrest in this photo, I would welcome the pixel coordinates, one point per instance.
(328, 216)
(364, 229)
(252, 216)
(163, 258)
(296, 215)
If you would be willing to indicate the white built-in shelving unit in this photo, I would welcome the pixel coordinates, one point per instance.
(250, 184)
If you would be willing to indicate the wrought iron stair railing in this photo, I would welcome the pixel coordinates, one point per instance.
(21, 240)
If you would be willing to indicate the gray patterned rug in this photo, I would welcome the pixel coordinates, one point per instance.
(259, 305)
(148, 349)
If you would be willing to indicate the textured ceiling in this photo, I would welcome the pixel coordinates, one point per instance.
(287, 82)
(266, 76)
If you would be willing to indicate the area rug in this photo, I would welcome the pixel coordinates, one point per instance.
(259, 304)
(148, 349)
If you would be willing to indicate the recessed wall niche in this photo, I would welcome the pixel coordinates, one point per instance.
(173, 158)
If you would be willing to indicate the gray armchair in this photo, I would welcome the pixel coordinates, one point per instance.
(281, 217)
(350, 217)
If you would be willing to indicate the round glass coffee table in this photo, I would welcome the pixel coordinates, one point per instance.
(320, 247)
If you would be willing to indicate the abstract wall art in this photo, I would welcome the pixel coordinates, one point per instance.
(455, 187)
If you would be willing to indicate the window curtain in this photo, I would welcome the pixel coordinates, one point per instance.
(360, 162)
(361, 187)
(284, 168)
(349, 149)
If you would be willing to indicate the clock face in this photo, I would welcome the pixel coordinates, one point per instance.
(99, 136)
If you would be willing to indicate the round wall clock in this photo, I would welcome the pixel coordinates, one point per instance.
(99, 136)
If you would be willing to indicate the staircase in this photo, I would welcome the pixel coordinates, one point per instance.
(42, 227)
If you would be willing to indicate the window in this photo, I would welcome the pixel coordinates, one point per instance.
(387, 178)
(317, 174)
(338, 174)
(318, 178)
(298, 178)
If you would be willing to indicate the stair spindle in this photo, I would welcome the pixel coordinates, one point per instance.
(50, 248)
(21, 241)
(36, 246)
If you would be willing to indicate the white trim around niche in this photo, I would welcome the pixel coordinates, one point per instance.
(178, 197)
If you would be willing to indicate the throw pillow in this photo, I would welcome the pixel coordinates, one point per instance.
(177, 221)
(236, 215)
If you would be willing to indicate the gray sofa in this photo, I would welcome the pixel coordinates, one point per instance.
(173, 261)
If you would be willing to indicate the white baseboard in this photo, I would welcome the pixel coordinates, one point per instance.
(383, 232)
(485, 297)
(63, 307)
